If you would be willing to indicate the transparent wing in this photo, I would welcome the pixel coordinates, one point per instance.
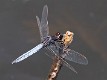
(43, 25)
(29, 53)
(76, 57)
(64, 62)
(69, 66)
(70, 55)
(54, 48)
(44, 31)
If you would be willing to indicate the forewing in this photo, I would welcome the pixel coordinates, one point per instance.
(43, 25)
(64, 62)
(76, 57)
(29, 53)
(69, 66)
(54, 48)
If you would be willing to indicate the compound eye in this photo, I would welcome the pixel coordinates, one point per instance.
(57, 34)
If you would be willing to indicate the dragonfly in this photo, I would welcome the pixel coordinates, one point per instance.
(53, 44)
(64, 53)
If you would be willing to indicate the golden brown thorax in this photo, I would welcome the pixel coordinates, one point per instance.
(67, 38)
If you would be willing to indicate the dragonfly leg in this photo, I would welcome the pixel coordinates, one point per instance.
(66, 50)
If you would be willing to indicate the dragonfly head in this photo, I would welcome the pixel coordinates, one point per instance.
(59, 36)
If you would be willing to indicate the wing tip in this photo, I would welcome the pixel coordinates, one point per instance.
(86, 61)
(46, 6)
(13, 62)
(36, 17)
(76, 72)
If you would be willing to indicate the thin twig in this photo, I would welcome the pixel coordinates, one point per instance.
(55, 68)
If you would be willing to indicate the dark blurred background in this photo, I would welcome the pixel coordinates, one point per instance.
(19, 33)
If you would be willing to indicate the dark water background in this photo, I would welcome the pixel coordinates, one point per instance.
(19, 33)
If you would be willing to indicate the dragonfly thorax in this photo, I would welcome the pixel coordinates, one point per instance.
(47, 40)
